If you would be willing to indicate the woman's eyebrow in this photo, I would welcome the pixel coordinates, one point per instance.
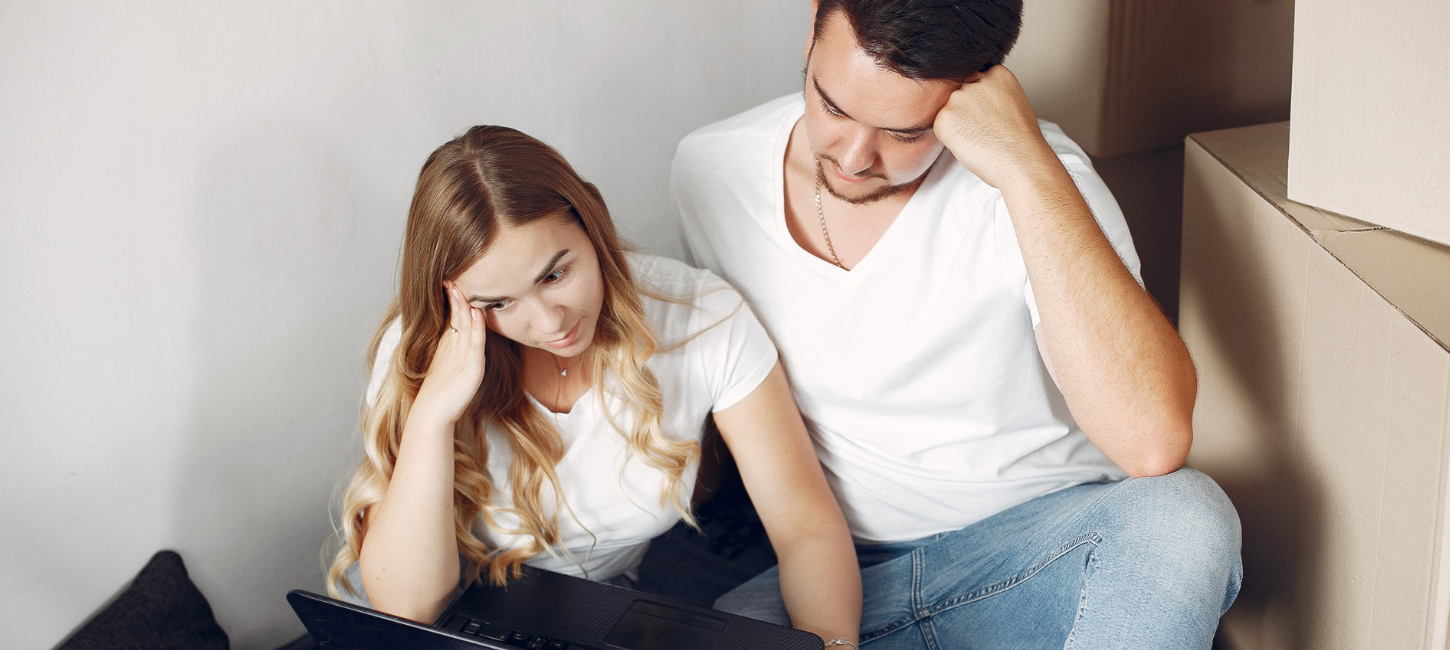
(548, 268)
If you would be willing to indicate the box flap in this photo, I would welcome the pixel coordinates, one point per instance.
(1259, 155)
(1412, 274)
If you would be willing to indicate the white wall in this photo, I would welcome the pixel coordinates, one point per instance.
(200, 211)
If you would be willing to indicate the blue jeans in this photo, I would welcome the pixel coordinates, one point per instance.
(1141, 563)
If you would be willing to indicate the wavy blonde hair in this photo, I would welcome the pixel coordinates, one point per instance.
(488, 178)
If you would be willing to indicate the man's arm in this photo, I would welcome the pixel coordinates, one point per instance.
(1126, 374)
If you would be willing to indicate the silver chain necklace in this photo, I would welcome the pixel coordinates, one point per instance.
(563, 372)
(822, 214)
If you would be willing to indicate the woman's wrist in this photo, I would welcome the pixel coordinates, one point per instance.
(838, 641)
(425, 419)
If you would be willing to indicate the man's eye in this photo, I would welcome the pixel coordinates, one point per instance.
(832, 110)
(905, 138)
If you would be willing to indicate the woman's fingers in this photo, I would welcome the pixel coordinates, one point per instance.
(478, 336)
(458, 309)
(457, 366)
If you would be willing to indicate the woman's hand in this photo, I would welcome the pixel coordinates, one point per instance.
(458, 363)
(409, 557)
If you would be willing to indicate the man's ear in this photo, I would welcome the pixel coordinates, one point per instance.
(811, 34)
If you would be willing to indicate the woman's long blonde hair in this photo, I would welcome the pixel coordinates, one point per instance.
(490, 177)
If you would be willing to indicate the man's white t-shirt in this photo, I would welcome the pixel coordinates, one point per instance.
(917, 371)
(613, 497)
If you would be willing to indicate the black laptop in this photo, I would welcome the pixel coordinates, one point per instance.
(547, 611)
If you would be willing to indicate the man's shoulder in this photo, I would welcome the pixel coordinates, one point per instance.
(1065, 147)
(756, 126)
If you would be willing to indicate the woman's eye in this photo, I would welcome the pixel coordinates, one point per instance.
(557, 275)
(831, 109)
(498, 306)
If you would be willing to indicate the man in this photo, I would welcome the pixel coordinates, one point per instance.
(1000, 408)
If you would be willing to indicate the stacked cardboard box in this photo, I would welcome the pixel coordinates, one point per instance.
(1371, 111)
(1323, 348)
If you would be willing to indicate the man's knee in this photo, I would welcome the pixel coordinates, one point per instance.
(1185, 510)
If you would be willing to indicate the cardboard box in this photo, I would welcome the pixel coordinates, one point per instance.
(1323, 352)
(1122, 76)
(1371, 111)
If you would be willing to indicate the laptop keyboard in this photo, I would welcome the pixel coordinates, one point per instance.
(469, 626)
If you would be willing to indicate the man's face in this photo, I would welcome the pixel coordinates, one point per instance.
(868, 127)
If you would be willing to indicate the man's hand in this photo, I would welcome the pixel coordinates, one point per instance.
(990, 127)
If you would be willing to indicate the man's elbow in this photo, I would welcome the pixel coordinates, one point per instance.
(1167, 454)
(1154, 467)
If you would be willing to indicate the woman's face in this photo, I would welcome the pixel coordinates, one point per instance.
(539, 284)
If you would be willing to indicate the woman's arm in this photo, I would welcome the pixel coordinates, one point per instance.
(409, 558)
(819, 578)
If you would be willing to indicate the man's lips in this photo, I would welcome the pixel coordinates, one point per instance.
(568, 339)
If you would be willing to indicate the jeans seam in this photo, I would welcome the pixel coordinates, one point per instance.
(919, 613)
(918, 561)
(1081, 605)
(904, 622)
(1234, 589)
(999, 587)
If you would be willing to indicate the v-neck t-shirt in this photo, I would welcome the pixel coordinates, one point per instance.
(612, 498)
(917, 370)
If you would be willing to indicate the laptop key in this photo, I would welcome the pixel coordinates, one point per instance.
(520, 639)
(471, 628)
(537, 643)
(490, 631)
(556, 645)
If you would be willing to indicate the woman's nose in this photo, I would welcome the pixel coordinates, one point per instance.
(548, 318)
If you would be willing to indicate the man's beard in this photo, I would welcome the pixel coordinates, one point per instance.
(883, 193)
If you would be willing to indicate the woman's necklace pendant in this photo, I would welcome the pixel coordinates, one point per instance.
(564, 372)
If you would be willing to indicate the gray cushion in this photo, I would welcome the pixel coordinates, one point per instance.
(161, 610)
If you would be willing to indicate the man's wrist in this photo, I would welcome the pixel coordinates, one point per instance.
(1032, 186)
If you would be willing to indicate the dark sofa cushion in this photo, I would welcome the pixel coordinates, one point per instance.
(161, 610)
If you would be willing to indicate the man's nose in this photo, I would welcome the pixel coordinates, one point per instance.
(858, 154)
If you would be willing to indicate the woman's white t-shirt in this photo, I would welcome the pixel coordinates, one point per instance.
(613, 497)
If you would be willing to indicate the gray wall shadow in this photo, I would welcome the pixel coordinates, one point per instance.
(297, 256)
(1282, 506)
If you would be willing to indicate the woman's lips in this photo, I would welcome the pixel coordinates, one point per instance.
(568, 339)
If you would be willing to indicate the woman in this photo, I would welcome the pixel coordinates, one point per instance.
(538, 397)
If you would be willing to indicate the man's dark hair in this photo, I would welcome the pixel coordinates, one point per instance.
(930, 39)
